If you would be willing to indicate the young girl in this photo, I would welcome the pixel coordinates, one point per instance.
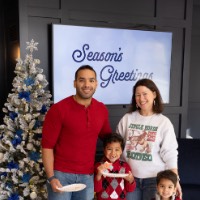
(166, 185)
(113, 177)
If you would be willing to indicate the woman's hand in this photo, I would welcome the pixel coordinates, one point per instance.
(179, 190)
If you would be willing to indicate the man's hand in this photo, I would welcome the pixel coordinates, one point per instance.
(55, 184)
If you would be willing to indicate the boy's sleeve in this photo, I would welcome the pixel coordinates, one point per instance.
(130, 187)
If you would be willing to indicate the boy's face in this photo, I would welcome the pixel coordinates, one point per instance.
(113, 151)
(166, 189)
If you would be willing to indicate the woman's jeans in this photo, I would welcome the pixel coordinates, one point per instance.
(145, 189)
(67, 179)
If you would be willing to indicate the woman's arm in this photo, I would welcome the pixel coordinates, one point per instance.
(178, 186)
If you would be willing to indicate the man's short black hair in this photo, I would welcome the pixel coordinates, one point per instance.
(82, 68)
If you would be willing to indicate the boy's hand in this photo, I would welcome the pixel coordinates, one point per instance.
(102, 168)
(129, 178)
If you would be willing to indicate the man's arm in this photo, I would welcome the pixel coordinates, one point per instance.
(48, 162)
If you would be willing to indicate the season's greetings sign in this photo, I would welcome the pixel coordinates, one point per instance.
(119, 56)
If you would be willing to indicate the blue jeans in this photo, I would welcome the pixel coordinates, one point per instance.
(67, 179)
(145, 189)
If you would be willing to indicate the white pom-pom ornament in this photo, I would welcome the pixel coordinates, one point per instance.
(29, 146)
(40, 77)
(28, 117)
(33, 195)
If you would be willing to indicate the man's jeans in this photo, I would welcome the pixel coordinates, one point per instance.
(67, 179)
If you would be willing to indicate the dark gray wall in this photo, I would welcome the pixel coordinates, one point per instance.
(194, 86)
(36, 17)
(2, 60)
(9, 42)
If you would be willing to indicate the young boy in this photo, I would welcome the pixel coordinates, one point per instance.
(166, 185)
(113, 177)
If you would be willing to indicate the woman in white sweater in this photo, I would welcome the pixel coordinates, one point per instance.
(151, 144)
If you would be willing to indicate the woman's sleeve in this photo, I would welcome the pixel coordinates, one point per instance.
(169, 146)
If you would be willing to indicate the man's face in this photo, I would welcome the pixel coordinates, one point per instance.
(85, 84)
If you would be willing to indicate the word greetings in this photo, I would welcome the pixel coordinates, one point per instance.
(108, 73)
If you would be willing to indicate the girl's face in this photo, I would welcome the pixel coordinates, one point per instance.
(144, 98)
(166, 189)
(113, 151)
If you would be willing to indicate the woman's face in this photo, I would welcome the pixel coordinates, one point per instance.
(144, 98)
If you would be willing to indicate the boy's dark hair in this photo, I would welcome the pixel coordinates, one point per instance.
(167, 174)
(82, 68)
(113, 137)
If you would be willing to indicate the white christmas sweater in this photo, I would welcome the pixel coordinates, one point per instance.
(151, 144)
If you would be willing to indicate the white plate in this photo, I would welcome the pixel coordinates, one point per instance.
(72, 187)
(114, 175)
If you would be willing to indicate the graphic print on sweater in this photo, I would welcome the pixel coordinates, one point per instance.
(140, 140)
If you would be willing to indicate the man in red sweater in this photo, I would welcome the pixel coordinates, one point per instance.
(70, 133)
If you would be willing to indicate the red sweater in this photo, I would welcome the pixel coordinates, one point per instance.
(72, 131)
(113, 188)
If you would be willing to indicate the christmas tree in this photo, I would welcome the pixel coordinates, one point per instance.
(22, 174)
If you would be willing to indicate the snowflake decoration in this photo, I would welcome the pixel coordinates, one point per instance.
(31, 46)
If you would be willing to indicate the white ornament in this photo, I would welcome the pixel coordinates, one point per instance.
(37, 61)
(40, 77)
(29, 87)
(2, 170)
(26, 191)
(33, 195)
(28, 117)
(29, 146)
